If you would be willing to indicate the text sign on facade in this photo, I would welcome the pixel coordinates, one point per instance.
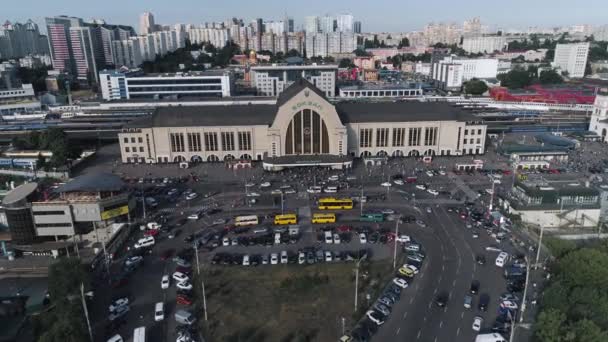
(108, 214)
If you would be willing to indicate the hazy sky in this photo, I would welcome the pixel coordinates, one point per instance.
(376, 15)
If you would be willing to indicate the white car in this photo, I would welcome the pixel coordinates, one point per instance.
(191, 196)
(328, 256)
(336, 239)
(386, 184)
(290, 191)
(400, 282)
(403, 239)
(442, 172)
(374, 317)
(301, 258)
(159, 311)
(388, 211)
(362, 238)
(164, 282)
(477, 322)
(330, 189)
(194, 216)
(253, 194)
(184, 286)
(398, 181)
(314, 190)
(429, 210)
(507, 304)
(118, 304)
(145, 242)
(180, 277)
(249, 185)
(413, 248)
(265, 185)
(433, 192)
(226, 242)
(246, 260)
(276, 192)
(133, 260)
(333, 178)
(274, 258)
(430, 173)
(421, 187)
(412, 267)
(284, 259)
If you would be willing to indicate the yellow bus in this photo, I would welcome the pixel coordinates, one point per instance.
(323, 218)
(285, 219)
(335, 203)
(250, 220)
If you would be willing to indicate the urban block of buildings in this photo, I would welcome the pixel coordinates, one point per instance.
(484, 44)
(301, 129)
(272, 80)
(451, 72)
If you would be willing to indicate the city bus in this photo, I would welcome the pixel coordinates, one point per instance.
(250, 220)
(286, 219)
(335, 203)
(372, 217)
(323, 218)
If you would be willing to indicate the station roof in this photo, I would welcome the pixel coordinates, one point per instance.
(93, 182)
(264, 114)
(19, 193)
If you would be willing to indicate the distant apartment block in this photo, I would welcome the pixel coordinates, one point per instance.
(571, 58)
(451, 72)
(271, 80)
(484, 44)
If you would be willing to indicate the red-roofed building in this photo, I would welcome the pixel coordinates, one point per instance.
(562, 94)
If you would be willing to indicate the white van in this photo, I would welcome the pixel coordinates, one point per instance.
(329, 237)
(502, 259)
(490, 338)
(145, 242)
(246, 260)
(277, 238)
(159, 311)
(139, 334)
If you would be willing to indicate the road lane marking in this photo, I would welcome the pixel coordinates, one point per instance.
(462, 314)
(440, 324)
(429, 305)
(419, 333)
(435, 292)
(411, 300)
(454, 283)
(398, 330)
(435, 338)
(458, 331)
(443, 267)
(421, 275)
(405, 315)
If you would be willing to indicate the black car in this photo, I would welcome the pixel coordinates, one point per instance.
(480, 259)
(442, 299)
(474, 287)
(516, 286)
(189, 238)
(484, 300)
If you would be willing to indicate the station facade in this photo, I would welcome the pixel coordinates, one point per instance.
(303, 128)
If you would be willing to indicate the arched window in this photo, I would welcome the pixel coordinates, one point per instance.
(307, 134)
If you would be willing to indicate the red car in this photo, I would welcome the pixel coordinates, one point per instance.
(344, 228)
(151, 232)
(185, 270)
(183, 300)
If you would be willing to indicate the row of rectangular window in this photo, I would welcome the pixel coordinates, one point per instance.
(139, 140)
(471, 141)
(210, 140)
(414, 138)
(133, 149)
(466, 132)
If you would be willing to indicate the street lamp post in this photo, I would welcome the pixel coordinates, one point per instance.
(357, 280)
(198, 271)
(86, 311)
(395, 245)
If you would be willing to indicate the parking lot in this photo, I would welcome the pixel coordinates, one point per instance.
(418, 200)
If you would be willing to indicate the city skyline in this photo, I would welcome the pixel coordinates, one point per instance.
(376, 16)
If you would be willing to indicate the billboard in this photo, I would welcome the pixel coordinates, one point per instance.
(108, 214)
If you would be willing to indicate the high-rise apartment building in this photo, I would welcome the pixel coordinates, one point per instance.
(146, 23)
(127, 52)
(19, 40)
(571, 58)
(218, 37)
(472, 27)
(357, 27)
(441, 33)
(325, 44)
(345, 23)
(311, 24)
(271, 80)
(327, 24)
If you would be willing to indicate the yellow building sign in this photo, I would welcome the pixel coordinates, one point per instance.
(108, 214)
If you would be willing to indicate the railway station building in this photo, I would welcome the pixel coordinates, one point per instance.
(303, 128)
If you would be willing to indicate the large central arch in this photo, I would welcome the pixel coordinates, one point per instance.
(307, 134)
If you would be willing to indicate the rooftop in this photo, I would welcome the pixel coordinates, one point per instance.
(389, 86)
(294, 67)
(19, 193)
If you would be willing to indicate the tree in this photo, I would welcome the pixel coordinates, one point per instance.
(515, 79)
(550, 77)
(361, 53)
(475, 87)
(404, 42)
(65, 277)
(549, 326)
(346, 63)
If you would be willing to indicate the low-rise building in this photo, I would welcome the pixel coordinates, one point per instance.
(388, 90)
(555, 204)
(18, 100)
(272, 80)
(119, 85)
(484, 44)
(451, 72)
